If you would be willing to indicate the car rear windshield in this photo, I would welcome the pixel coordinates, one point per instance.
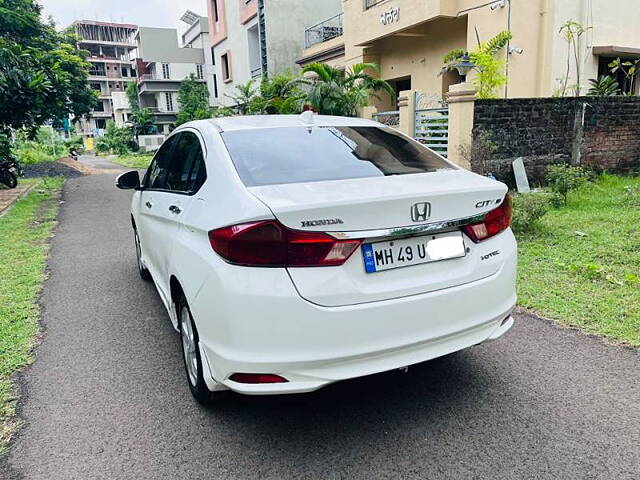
(273, 156)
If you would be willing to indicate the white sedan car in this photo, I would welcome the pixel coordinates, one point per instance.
(296, 251)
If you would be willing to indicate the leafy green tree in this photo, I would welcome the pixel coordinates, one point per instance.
(133, 95)
(280, 94)
(115, 139)
(141, 119)
(193, 100)
(246, 98)
(43, 76)
(605, 86)
(336, 92)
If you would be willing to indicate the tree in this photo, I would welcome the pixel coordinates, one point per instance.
(133, 95)
(335, 92)
(43, 76)
(571, 31)
(193, 100)
(246, 99)
(141, 119)
(115, 139)
(280, 94)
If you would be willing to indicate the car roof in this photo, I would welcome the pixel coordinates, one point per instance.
(252, 122)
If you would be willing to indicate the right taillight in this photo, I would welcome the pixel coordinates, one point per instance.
(271, 244)
(494, 222)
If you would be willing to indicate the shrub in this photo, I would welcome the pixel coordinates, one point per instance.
(75, 143)
(563, 179)
(528, 208)
(115, 139)
(29, 152)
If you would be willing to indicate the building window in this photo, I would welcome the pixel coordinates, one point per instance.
(199, 71)
(166, 74)
(215, 85)
(213, 56)
(214, 10)
(226, 67)
(168, 97)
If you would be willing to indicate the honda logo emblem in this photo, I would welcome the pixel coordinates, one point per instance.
(420, 212)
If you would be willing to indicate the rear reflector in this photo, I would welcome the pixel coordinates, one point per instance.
(254, 378)
(271, 244)
(494, 222)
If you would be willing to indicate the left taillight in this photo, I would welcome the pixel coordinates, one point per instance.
(271, 244)
(495, 222)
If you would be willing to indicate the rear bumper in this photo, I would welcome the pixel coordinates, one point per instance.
(276, 331)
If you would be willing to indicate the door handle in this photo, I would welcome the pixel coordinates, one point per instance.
(149, 204)
(175, 209)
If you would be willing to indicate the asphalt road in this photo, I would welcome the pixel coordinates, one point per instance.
(107, 398)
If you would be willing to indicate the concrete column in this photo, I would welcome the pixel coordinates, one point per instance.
(367, 112)
(461, 99)
(407, 108)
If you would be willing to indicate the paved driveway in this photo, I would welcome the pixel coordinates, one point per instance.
(107, 399)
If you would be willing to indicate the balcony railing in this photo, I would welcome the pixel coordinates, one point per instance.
(372, 3)
(324, 31)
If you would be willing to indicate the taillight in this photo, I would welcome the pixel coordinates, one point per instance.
(494, 222)
(256, 378)
(271, 244)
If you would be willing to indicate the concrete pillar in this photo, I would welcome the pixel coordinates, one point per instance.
(461, 98)
(367, 112)
(407, 108)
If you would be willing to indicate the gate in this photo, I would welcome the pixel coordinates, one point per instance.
(432, 124)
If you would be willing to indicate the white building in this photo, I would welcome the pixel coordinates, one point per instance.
(161, 66)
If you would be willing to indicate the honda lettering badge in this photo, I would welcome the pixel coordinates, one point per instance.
(420, 212)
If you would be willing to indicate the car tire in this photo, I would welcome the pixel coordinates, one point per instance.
(142, 270)
(190, 342)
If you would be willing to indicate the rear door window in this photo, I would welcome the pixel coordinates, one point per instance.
(274, 156)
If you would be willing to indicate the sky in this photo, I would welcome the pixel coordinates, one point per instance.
(148, 13)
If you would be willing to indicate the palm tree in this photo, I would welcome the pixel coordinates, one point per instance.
(336, 92)
(244, 98)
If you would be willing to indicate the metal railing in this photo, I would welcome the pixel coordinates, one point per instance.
(390, 119)
(324, 31)
(372, 3)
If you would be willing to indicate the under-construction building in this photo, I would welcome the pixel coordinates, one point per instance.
(109, 46)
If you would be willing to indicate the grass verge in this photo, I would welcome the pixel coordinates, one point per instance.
(24, 233)
(581, 266)
(134, 160)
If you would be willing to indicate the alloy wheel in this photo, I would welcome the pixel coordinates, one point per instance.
(189, 345)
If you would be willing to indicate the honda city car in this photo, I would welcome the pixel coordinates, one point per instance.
(292, 252)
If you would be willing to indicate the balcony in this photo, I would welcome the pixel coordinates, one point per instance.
(324, 31)
(385, 18)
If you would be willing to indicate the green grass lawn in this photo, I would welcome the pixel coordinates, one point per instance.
(133, 160)
(24, 233)
(581, 266)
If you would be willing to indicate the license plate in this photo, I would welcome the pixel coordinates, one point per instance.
(412, 251)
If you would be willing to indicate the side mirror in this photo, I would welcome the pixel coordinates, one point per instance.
(128, 181)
